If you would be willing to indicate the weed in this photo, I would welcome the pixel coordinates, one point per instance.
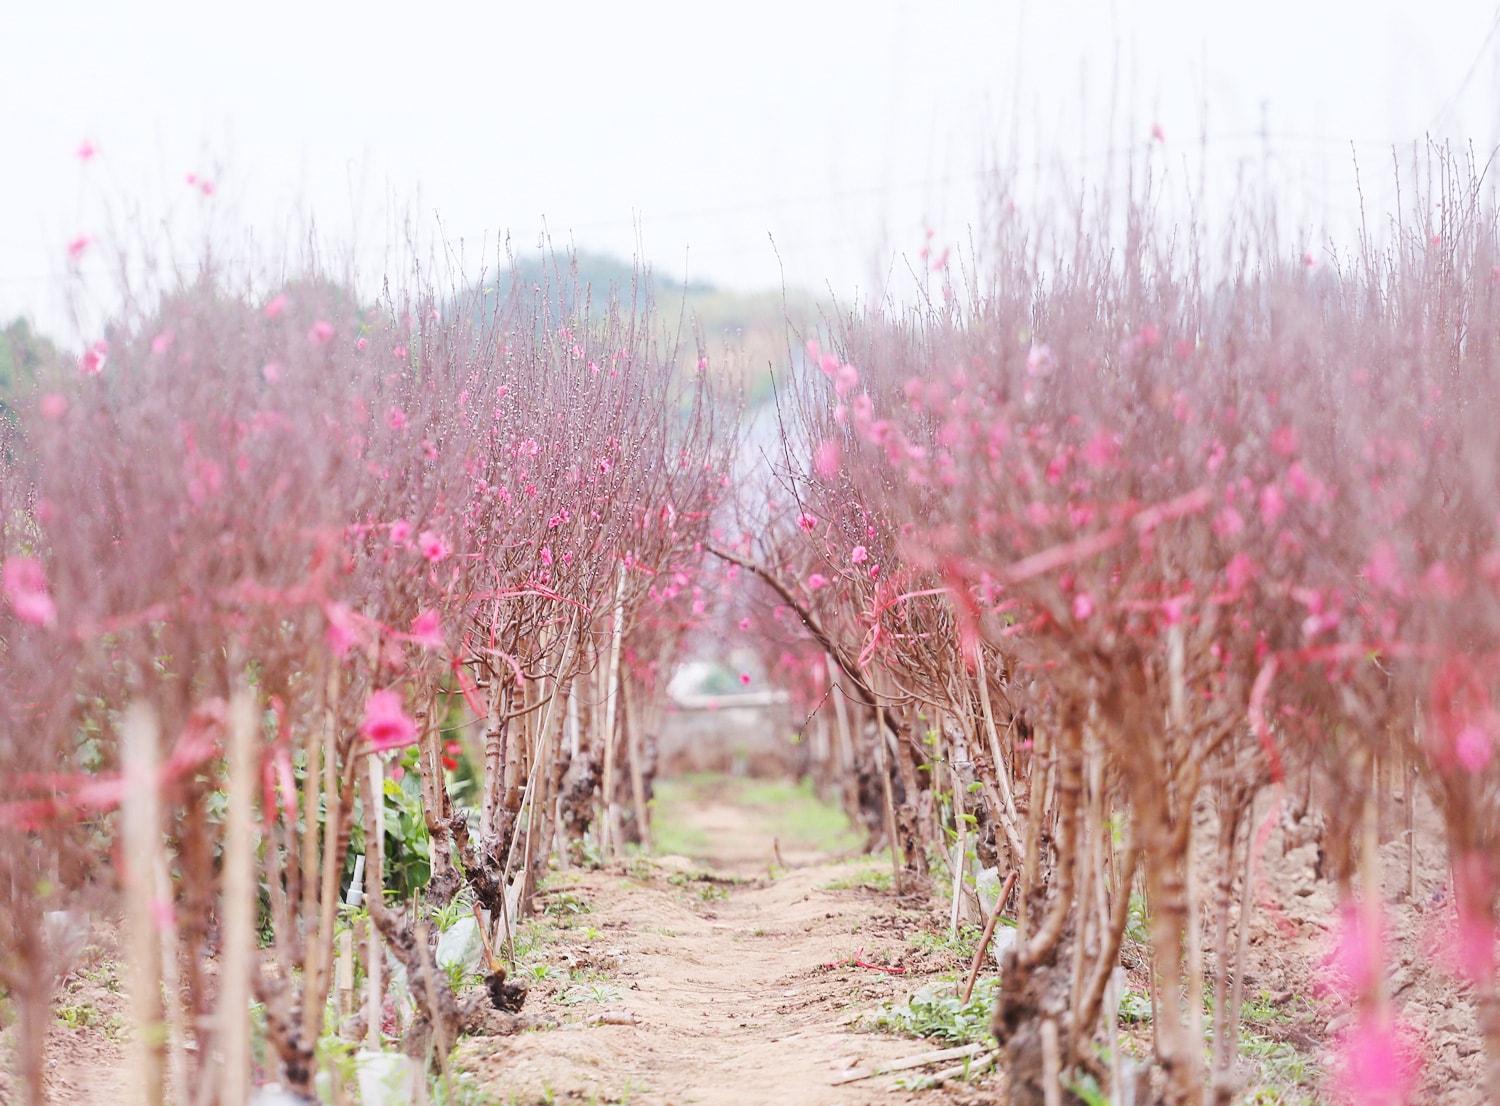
(594, 992)
(868, 878)
(1281, 1075)
(104, 975)
(565, 905)
(1137, 920)
(78, 1015)
(1135, 1007)
(462, 1090)
(935, 1011)
(539, 972)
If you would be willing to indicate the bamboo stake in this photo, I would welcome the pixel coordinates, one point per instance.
(141, 829)
(960, 827)
(637, 775)
(171, 980)
(984, 940)
(1051, 1064)
(1007, 813)
(315, 979)
(841, 712)
(607, 828)
(239, 899)
(494, 757)
(374, 893)
(890, 803)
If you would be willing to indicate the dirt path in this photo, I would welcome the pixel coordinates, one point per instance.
(724, 969)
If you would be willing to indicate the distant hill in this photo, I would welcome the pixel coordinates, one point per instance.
(26, 357)
(744, 334)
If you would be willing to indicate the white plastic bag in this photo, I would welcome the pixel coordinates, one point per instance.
(386, 1078)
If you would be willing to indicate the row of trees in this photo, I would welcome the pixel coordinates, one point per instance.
(1113, 546)
(255, 544)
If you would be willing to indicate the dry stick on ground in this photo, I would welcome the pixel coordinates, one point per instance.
(909, 1062)
(984, 940)
(968, 1069)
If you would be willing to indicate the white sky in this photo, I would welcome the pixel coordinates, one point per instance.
(695, 131)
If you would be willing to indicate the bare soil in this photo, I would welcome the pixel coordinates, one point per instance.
(739, 984)
(727, 977)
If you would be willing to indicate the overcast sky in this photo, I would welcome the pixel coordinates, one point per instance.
(694, 134)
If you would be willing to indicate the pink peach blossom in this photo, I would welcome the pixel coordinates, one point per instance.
(24, 581)
(432, 545)
(92, 361)
(342, 634)
(386, 724)
(826, 459)
(427, 630)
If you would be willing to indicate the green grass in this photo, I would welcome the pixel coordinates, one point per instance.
(790, 811)
(1281, 1075)
(958, 945)
(873, 874)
